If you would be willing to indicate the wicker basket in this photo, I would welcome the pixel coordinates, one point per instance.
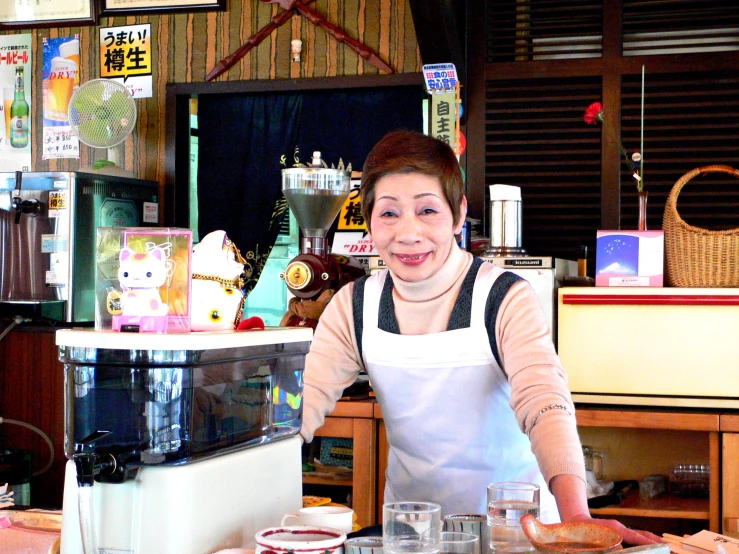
(698, 257)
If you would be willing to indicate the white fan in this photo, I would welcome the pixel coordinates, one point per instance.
(102, 113)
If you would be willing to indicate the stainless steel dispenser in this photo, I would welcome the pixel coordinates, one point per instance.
(48, 224)
(505, 221)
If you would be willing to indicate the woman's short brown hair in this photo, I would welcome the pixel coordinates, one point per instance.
(412, 152)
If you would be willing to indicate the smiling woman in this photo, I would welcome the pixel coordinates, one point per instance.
(458, 351)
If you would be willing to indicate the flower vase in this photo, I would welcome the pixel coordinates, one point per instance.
(642, 194)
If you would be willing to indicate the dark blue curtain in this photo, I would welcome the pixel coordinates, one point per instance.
(240, 141)
(243, 136)
(347, 123)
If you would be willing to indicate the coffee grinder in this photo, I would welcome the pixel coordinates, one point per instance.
(179, 443)
(315, 194)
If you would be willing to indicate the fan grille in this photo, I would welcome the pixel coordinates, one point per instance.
(102, 113)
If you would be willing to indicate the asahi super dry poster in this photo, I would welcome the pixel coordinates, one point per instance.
(61, 77)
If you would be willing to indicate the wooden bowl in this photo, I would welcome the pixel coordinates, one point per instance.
(570, 538)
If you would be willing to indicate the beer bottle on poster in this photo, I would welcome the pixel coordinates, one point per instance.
(19, 113)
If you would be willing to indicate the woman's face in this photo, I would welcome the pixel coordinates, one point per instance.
(412, 225)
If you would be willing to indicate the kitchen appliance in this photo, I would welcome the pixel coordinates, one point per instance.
(48, 224)
(672, 347)
(315, 194)
(546, 275)
(179, 443)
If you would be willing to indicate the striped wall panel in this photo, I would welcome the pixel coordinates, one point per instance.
(187, 45)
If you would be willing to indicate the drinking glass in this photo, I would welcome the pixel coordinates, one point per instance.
(411, 527)
(477, 524)
(61, 84)
(508, 502)
(453, 542)
(363, 545)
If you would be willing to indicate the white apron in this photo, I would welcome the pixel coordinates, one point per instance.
(445, 403)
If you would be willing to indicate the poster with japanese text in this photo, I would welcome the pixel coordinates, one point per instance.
(15, 83)
(61, 78)
(125, 56)
(351, 236)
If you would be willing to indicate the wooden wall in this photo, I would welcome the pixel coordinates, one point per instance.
(188, 45)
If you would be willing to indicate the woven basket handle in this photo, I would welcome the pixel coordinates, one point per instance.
(671, 203)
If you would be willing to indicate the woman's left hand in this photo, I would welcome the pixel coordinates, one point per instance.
(631, 537)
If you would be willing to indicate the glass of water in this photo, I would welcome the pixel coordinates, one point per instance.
(508, 502)
(363, 545)
(410, 527)
(453, 542)
(477, 524)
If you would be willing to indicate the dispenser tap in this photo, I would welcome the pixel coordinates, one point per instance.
(30, 206)
(89, 464)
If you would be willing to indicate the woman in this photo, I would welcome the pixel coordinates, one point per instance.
(450, 344)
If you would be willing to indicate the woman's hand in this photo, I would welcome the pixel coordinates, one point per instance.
(573, 506)
(631, 537)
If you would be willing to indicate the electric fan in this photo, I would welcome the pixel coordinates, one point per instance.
(102, 113)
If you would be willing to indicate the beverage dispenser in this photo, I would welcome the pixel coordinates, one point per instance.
(48, 226)
(315, 194)
(179, 443)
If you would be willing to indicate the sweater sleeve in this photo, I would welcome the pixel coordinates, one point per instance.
(540, 394)
(332, 364)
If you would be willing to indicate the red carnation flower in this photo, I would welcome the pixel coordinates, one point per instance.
(594, 113)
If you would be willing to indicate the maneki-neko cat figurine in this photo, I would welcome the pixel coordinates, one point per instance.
(217, 282)
(139, 304)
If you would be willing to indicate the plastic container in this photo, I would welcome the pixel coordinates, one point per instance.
(690, 480)
(176, 398)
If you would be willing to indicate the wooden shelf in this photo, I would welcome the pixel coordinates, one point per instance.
(309, 479)
(353, 420)
(665, 506)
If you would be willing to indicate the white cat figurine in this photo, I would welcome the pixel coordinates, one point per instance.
(140, 275)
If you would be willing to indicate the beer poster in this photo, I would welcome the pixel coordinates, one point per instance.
(351, 236)
(15, 83)
(125, 56)
(61, 77)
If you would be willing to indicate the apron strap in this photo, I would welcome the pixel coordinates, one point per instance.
(497, 292)
(358, 311)
(461, 315)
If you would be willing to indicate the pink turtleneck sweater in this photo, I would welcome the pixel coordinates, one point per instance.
(534, 370)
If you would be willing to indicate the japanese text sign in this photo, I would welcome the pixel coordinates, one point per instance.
(125, 55)
(440, 77)
(443, 118)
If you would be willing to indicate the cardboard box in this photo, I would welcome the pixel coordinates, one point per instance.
(629, 259)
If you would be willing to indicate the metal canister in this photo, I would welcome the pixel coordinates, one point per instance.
(505, 221)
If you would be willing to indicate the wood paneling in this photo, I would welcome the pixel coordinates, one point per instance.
(187, 45)
(32, 391)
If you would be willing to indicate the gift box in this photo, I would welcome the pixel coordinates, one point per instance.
(629, 258)
(143, 279)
